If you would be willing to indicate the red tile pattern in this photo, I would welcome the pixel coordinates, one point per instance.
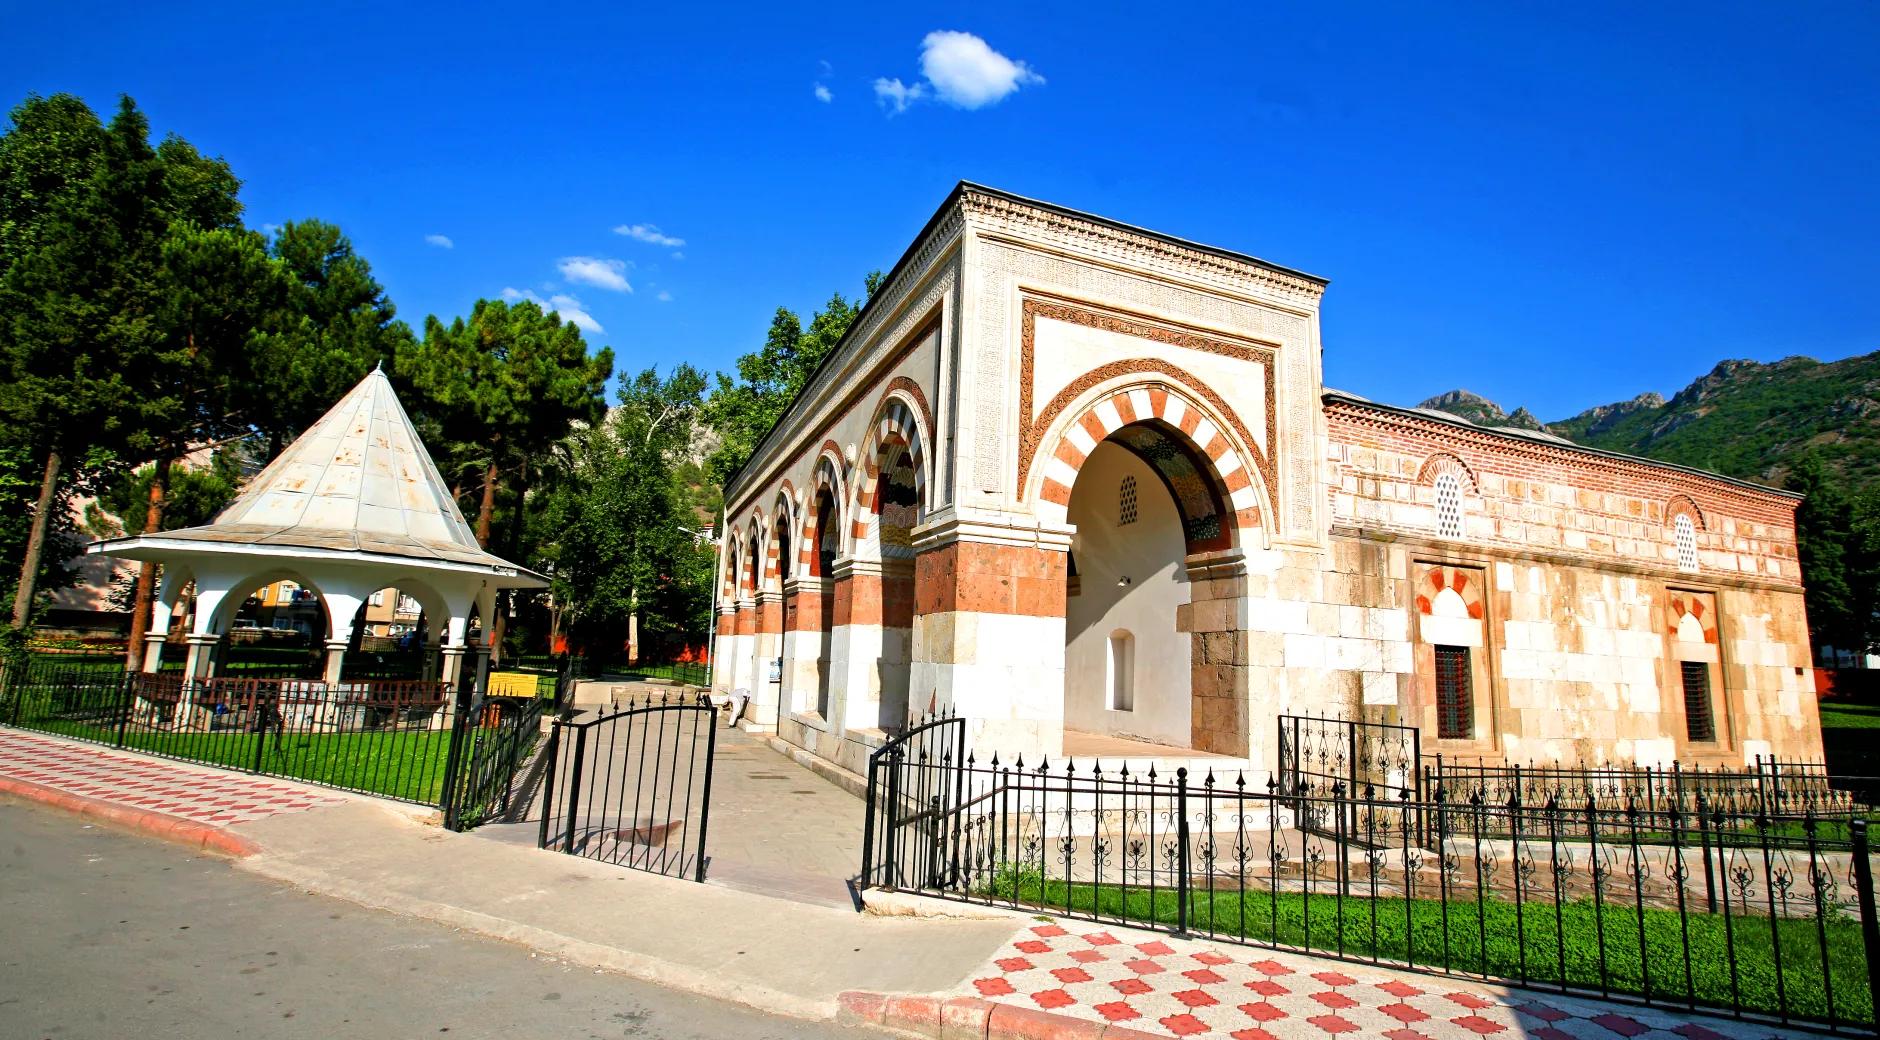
(152, 784)
(1187, 988)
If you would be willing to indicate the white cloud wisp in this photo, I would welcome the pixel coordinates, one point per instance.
(960, 69)
(568, 307)
(596, 271)
(440, 241)
(648, 233)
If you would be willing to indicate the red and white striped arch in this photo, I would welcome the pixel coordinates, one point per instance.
(776, 568)
(896, 424)
(826, 479)
(1235, 472)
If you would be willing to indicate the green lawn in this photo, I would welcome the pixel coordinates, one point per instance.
(1492, 941)
(1837, 715)
(406, 764)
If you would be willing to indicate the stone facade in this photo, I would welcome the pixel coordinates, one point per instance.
(1081, 483)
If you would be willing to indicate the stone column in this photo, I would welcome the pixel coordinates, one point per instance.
(1216, 617)
(724, 648)
(743, 635)
(858, 643)
(989, 631)
(767, 648)
(806, 603)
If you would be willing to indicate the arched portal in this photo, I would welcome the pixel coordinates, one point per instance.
(822, 536)
(1164, 503)
(1142, 504)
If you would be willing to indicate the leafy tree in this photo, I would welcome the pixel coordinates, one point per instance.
(1837, 536)
(195, 495)
(69, 302)
(334, 326)
(742, 410)
(509, 381)
(623, 541)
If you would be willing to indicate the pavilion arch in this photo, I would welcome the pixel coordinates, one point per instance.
(1218, 482)
(221, 615)
(893, 453)
(821, 518)
(1443, 462)
(751, 571)
(1685, 611)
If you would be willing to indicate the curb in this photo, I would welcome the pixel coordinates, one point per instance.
(201, 836)
(835, 774)
(970, 1018)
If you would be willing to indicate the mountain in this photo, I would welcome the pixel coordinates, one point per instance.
(1481, 411)
(1751, 420)
(1743, 419)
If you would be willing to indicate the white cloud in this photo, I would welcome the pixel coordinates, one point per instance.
(965, 71)
(596, 271)
(574, 314)
(648, 233)
(570, 308)
(823, 94)
(896, 96)
(664, 296)
(440, 241)
(678, 256)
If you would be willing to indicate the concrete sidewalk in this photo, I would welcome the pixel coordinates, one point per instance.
(922, 966)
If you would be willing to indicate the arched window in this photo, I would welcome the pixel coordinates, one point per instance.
(1126, 502)
(1448, 506)
(1685, 533)
(1122, 671)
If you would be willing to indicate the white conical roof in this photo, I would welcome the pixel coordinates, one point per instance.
(359, 479)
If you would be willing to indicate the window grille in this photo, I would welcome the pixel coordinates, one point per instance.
(1699, 725)
(1448, 506)
(1686, 533)
(1455, 697)
(1126, 502)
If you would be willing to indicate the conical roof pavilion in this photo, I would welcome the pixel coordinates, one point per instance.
(357, 484)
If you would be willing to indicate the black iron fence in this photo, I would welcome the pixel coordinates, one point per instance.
(633, 787)
(1687, 903)
(421, 741)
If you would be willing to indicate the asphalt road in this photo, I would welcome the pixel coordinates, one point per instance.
(106, 934)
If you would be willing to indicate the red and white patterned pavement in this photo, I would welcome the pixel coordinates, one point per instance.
(154, 785)
(1186, 988)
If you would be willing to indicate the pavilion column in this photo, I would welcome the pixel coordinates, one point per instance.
(335, 661)
(153, 648)
(767, 647)
(450, 672)
(198, 668)
(805, 611)
(989, 630)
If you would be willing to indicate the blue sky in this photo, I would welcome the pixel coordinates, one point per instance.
(1555, 210)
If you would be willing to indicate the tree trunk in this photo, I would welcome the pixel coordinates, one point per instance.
(498, 625)
(147, 571)
(36, 541)
(488, 508)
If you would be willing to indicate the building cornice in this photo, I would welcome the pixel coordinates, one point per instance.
(1372, 413)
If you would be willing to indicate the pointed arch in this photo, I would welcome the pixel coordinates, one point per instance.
(1439, 583)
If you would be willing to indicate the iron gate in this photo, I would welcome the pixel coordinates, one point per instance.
(1328, 762)
(633, 787)
(910, 835)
